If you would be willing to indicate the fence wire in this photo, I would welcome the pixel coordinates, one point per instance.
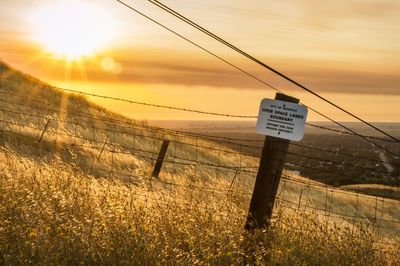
(216, 167)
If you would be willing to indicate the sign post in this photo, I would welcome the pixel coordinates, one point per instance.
(281, 120)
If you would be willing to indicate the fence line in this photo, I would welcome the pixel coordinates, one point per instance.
(227, 140)
(192, 162)
(185, 161)
(251, 146)
(351, 132)
(184, 143)
(105, 144)
(93, 140)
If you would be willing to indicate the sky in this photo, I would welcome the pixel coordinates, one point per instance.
(347, 51)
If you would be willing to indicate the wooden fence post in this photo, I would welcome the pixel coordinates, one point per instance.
(160, 159)
(44, 130)
(268, 177)
(102, 148)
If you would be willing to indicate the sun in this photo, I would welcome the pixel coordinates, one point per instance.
(72, 29)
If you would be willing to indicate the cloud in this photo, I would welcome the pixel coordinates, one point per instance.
(330, 14)
(319, 75)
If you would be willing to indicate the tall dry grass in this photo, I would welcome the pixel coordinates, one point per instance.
(52, 213)
(63, 201)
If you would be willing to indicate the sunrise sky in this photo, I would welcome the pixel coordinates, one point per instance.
(348, 51)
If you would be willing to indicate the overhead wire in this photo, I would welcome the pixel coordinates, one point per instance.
(246, 72)
(259, 62)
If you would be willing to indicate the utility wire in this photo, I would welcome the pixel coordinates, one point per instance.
(240, 69)
(235, 48)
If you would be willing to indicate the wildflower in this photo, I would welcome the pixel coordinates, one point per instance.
(33, 234)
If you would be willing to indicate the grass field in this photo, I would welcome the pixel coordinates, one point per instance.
(80, 191)
(341, 159)
(375, 190)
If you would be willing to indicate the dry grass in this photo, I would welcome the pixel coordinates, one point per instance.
(375, 190)
(61, 205)
(52, 213)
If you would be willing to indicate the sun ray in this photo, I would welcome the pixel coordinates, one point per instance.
(82, 71)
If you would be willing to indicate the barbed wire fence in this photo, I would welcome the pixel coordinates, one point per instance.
(215, 167)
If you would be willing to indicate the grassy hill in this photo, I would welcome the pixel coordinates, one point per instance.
(76, 188)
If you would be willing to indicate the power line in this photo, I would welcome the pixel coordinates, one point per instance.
(252, 58)
(230, 115)
(199, 46)
(224, 60)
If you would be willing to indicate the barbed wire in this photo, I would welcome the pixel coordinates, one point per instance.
(222, 191)
(113, 148)
(206, 147)
(284, 176)
(112, 131)
(349, 131)
(186, 161)
(189, 162)
(229, 140)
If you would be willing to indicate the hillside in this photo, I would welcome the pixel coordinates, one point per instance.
(327, 156)
(76, 188)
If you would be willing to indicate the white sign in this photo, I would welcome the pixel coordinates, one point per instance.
(281, 119)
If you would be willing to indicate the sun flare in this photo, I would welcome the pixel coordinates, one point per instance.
(72, 29)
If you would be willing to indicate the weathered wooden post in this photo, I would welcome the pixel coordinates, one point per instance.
(102, 148)
(280, 120)
(44, 130)
(160, 159)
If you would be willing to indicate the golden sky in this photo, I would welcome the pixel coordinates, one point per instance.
(348, 51)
